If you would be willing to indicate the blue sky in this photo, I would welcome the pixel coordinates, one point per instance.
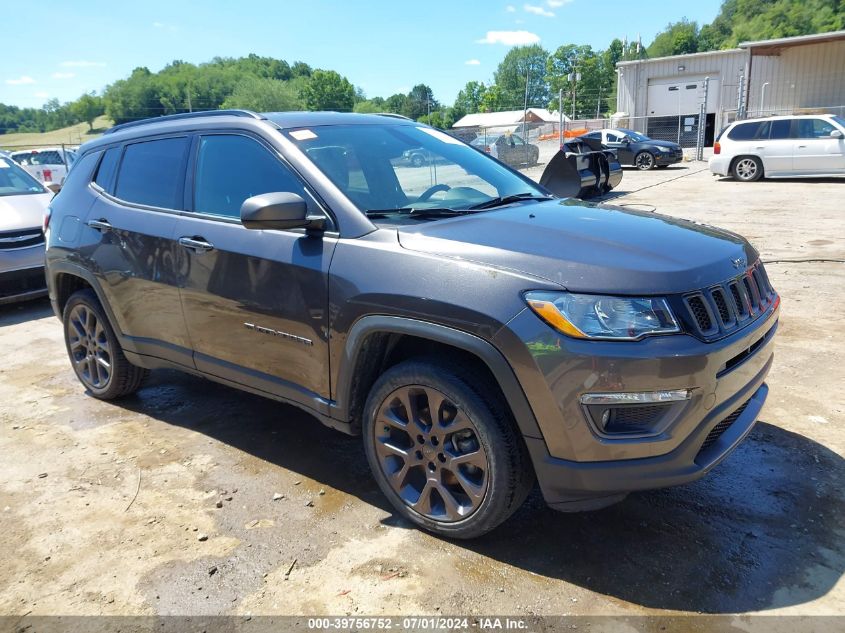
(66, 47)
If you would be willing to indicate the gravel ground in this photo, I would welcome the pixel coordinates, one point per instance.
(192, 498)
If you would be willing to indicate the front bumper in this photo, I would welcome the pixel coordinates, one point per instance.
(579, 468)
(22, 274)
(668, 159)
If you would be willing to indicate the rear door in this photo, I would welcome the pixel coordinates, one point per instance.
(255, 301)
(131, 247)
(816, 152)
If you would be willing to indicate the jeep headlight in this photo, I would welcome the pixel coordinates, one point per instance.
(603, 317)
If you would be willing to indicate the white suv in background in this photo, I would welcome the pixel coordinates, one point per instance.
(781, 147)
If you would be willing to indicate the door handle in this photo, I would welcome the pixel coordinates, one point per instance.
(197, 244)
(100, 225)
(802, 146)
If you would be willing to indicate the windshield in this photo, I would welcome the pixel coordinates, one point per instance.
(405, 168)
(14, 181)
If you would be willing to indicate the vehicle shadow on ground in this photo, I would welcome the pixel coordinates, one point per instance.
(763, 530)
(785, 181)
(17, 313)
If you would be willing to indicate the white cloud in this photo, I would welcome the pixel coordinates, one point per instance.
(537, 10)
(41, 94)
(20, 81)
(510, 38)
(82, 64)
(165, 26)
(510, 8)
(557, 3)
(472, 62)
(64, 75)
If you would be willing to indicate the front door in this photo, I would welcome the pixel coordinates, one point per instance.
(816, 151)
(255, 301)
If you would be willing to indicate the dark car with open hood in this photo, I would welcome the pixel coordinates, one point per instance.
(477, 332)
(635, 149)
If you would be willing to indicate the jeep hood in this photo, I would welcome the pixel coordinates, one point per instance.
(23, 211)
(587, 248)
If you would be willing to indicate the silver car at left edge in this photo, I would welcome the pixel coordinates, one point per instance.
(23, 204)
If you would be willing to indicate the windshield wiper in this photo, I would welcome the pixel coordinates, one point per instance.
(498, 202)
(435, 212)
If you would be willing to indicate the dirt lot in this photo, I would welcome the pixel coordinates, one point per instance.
(113, 508)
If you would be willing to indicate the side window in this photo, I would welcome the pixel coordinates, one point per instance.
(80, 175)
(814, 128)
(612, 138)
(744, 131)
(763, 131)
(232, 168)
(780, 129)
(152, 173)
(105, 172)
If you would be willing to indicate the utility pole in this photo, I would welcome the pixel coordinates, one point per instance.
(188, 88)
(574, 77)
(598, 104)
(560, 114)
(525, 104)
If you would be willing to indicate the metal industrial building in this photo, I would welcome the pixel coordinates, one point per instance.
(662, 96)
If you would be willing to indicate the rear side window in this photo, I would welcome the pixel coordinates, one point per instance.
(781, 129)
(152, 173)
(744, 131)
(105, 172)
(232, 168)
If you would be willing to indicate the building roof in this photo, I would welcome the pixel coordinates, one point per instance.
(509, 117)
(774, 47)
(727, 51)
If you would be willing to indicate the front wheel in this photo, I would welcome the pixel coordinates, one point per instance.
(644, 161)
(94, 351)
(444, 449)
(747, 169)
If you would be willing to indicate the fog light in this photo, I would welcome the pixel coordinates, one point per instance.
(642, 397)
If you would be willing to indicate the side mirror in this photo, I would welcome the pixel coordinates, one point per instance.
(836, 134)
(278, 210)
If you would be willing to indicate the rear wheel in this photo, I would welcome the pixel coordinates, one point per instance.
(448, 458)
(747, 168)
(644, 161)
(94, 351)
(417, 160)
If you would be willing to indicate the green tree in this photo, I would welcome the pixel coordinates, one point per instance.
(327, 90)
(265, 95)
(395, 103)
(370, 106)
(678, 38)
(521, 63)
(597, 78)
(87, 108)
(420, 100)
(493, 99)
(471, 97)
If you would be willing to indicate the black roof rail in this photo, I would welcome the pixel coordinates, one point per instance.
(393, 115)
(183, 115)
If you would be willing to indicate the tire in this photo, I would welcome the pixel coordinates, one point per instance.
(94, 351)
(468, 472)
(417, 160)
(747, 169)
(644, 161)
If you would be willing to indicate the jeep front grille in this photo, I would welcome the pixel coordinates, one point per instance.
(729, 306)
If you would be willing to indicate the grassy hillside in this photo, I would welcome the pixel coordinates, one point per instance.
(73, 135)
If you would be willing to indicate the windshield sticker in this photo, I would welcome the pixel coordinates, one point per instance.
(303, 135)
(442, 136)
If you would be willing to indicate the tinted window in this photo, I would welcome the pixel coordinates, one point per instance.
(151, 173)
(814, 128)
(105, 172)
(780, 129)
(744, 131)
(612, 138)
(763, 131)
(231, 169)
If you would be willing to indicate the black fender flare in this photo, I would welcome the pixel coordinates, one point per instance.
(480, 348)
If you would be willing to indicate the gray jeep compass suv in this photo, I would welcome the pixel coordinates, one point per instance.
(476, 331)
